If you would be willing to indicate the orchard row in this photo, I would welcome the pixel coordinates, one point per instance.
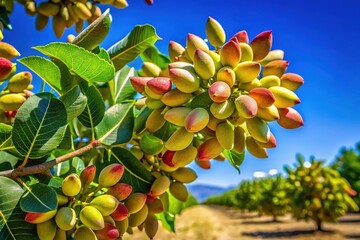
(314, 192)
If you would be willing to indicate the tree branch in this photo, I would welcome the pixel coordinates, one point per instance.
(43, 167)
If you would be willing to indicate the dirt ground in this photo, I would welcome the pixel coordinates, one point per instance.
(220, 223)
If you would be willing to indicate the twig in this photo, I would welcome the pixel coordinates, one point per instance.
(44, 167)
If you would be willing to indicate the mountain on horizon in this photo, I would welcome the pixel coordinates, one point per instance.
(203, 191)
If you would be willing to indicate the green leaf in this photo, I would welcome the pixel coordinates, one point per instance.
(5, 136)
(152, 54)
(122, 87)
(74, 165)
(7, 145)
(39, 125)
(95, 33)
(12, 223)
(77, 165)
(135, 173)
(202, 100)
(105, 90)
(168, 217)
(165, 131)
(67, 142)
(68, 80)
(85, 64)
(62, 168)
(175, 208)
(94, 110)
(168, 220)
(55, 182)
(235, 159)
(39, 198)
(140, 119)
(8, 158)
(150, 144)
(103, 54)
(117, 124)
(4, 18)
(45, 69)
(133, 44)
(75, 102)
(10, 193)
(5, 166)
(5, 132)
(17, 228)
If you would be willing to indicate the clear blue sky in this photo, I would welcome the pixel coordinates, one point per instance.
(320, 39)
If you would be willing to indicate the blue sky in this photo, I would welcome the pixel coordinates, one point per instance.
(320, 40)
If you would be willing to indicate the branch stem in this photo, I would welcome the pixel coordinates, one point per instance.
(43, 167)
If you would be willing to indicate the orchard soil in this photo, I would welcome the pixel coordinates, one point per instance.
(221, 223)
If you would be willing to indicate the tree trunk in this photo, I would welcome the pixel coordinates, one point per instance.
(319, 225)
(274, 218)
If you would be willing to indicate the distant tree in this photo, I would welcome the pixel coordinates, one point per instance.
(273, 199)
(247, 195)
(225, 199)
(318, 193)
(348, 165)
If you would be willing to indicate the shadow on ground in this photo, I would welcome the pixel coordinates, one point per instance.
(235, 213)
(353, 236)
(288, 233)
(262, 222)
(356, 220)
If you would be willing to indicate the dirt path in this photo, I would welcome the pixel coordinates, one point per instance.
(219, 223)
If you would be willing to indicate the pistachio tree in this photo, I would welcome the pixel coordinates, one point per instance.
(318, 192)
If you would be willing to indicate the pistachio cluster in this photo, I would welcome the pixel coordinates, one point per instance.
(66, 13)
(89, 211)
(169, 168)
(18, 87)
(221, 99)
